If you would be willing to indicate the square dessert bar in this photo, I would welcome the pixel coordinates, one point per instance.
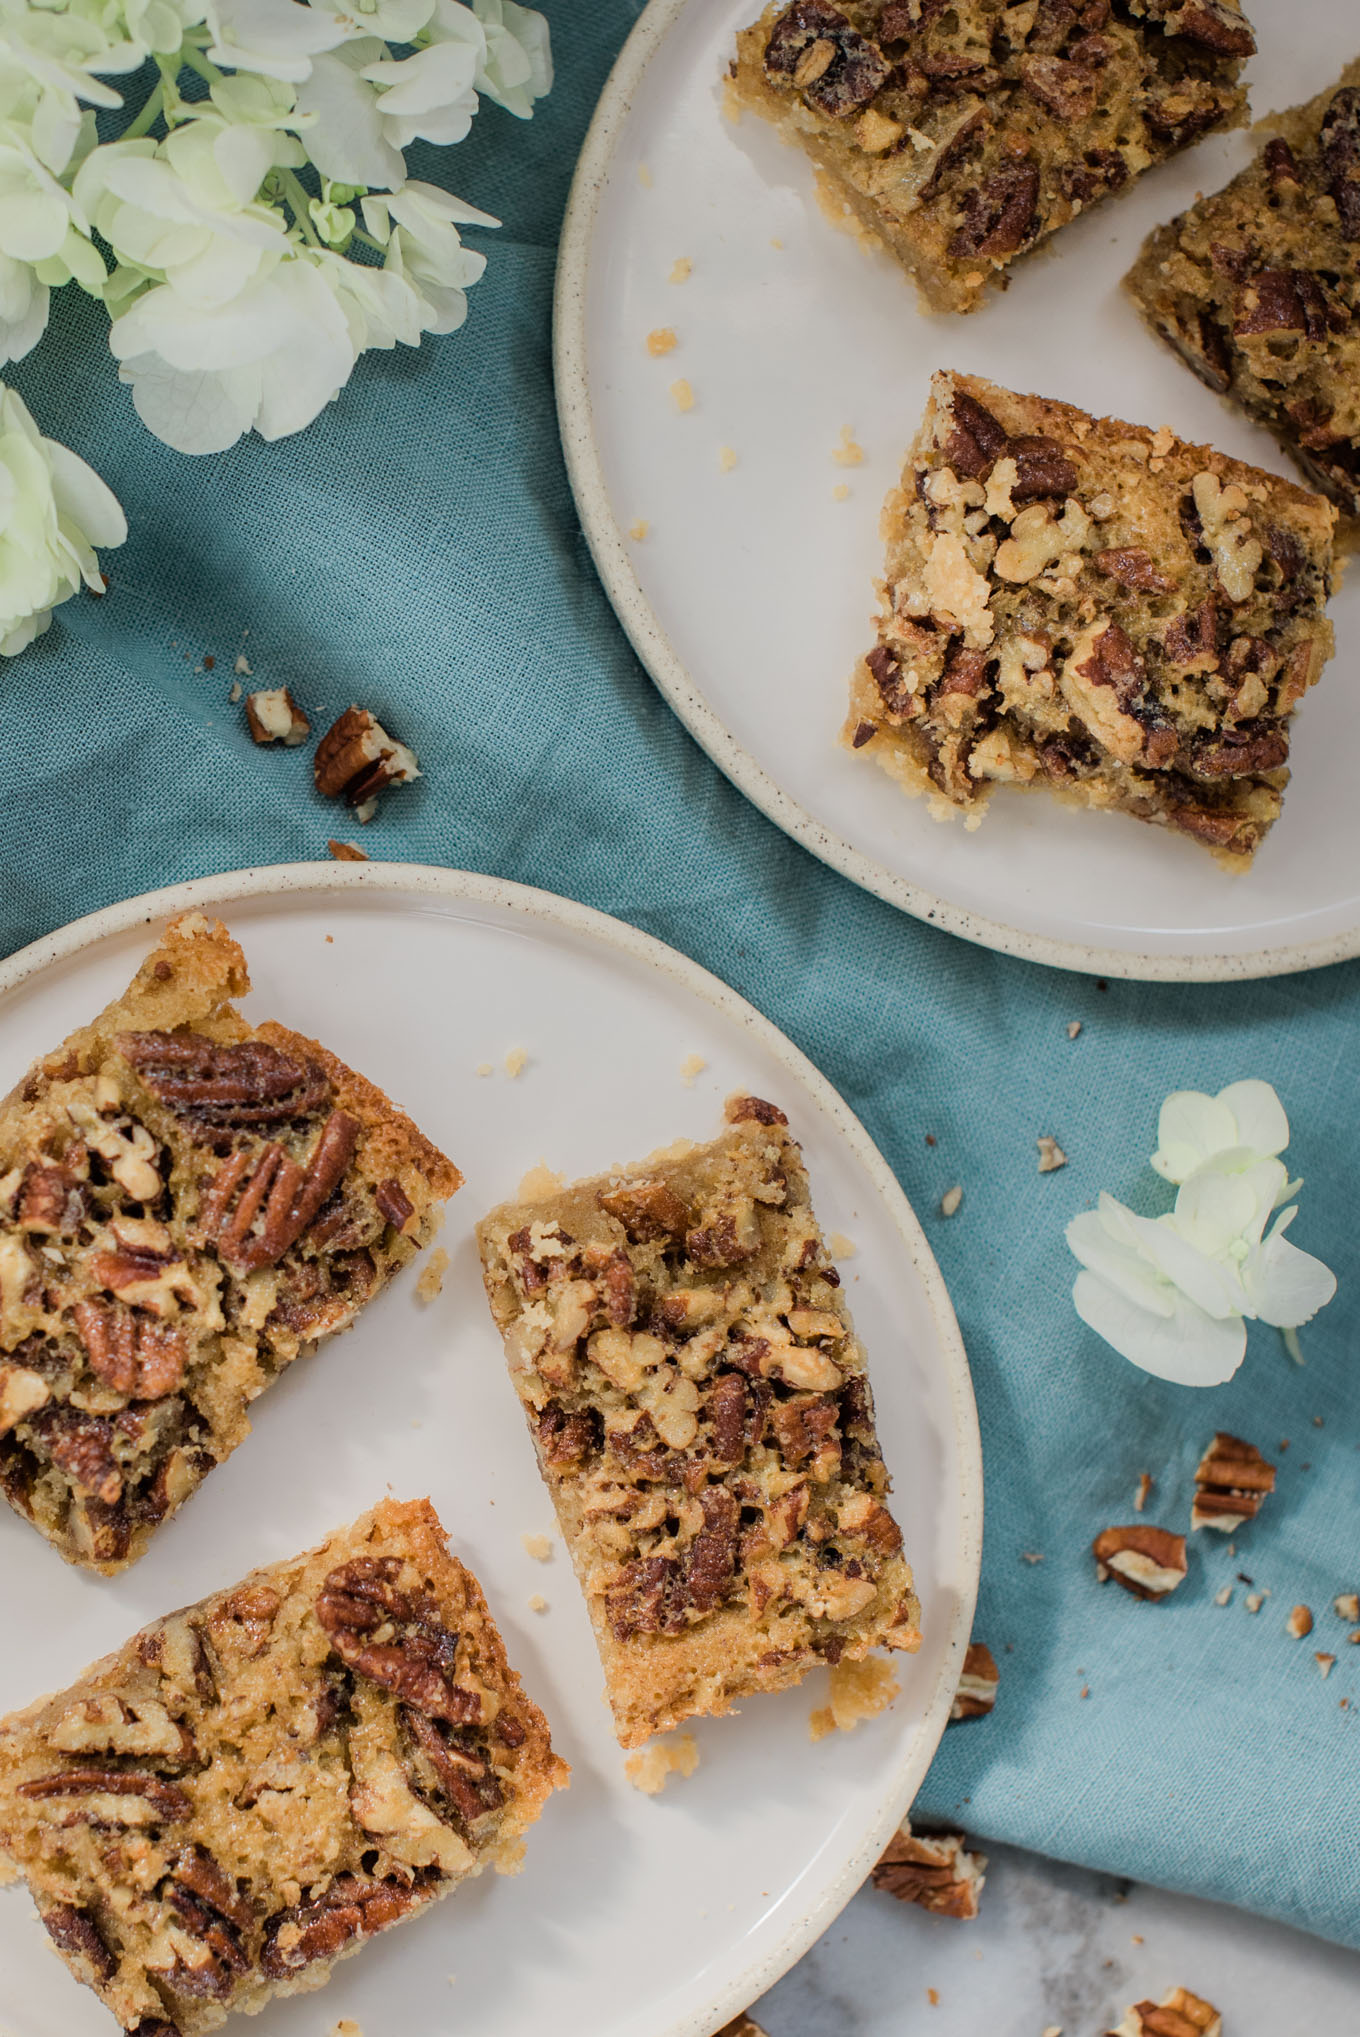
(704, 1423)
(1096, 609)
(255, 1785)
(962, 133)
(1258, 288)
(185, 1201)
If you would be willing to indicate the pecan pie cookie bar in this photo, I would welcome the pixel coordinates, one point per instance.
(255, 1785)
(963, 133)
(185, 1201)
(703, 1421)
(1103, 611)
(1258, 288)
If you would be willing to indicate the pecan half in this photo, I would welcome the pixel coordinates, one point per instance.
(934, 1870)
(1002, 215)
(1339, 140)
(81, 1447)
(836, 69)
(251, 1083)
(1283, 300)
(274, 1189)
(207, 1906)
(76, 1933)
(461, 1774)
(350, 1908)
(647, 1210)
(1148, 1561)
(130, 1352)
(977, 1689)
(417, 1659)
(356, 759)
(1231, 1480)
(1042, 468)
(166, 1802)
(1133, 568)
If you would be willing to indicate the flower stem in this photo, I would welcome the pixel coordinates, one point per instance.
(196, 61)
(298, 202)
(148, 116)
(1290, 1340)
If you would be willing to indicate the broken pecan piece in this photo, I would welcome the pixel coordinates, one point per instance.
(1149, 1562)
(251, 1083)
(824, 57)
(1231, 1480)
(1339, 139)
(139, 1793)
(273, 716)
(394, 1203)
(1179, 2014)
(1282, 300)
(356, 759)
(275, 1189)
(350, 1908)
(712, 1560)
(977, 1689)
(462, 1775)
(131, 1352)
(417, 1660)
(1133, 568)
(647, 1597)
(208, 1907)
(934, 1870)
(1000, 216)
(81, 1447)
(647, 1210)
(76, 1933)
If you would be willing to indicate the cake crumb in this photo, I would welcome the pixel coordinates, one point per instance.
(933, 1997)
(950, 1200)
(841, 492)
(1254, 1601)
(1224, 1597)
(1073, 1028)
(727, 459)
(538, 1604)
(537, 1546)
(662, 340)
(1140, 1497)
(431, 1279)
(516, 1061)
(1300, 1622)
(681, 269)
(692, 1065)
(1325, 1663)
(539, 1183)
(858, 1690)
(645, 176)
(242, 667)
(234, 692)
(1347, 1606)
(652, 1768)
(841, 1246)
(485, 1068)
(777, 244)
(682, 395)
(1032, 1555)
(1051, 1155)
(847, 453)
(347, 2027)
(639, 530)
(347, 852)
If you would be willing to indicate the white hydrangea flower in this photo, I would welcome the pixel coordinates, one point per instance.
(518, 67)
(1174, 1293)
(418, 227)
(54, 510)
(279, 38)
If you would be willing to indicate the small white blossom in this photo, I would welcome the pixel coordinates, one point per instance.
(1174, 1293)
(518, 66)
(54, 510)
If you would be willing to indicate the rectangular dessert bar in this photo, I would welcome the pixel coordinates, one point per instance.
(1105, 612)
(963, 133)
(256, 1784)
(185, 1202)
(1258, 287)
(703, 1420)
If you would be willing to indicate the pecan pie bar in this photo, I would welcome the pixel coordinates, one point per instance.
(256, 1784)
(1258, 288)
(1103, 611)
(185, 1202)
(963, 133)
(704, 1423)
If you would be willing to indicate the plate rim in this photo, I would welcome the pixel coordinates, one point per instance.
(435, 881)
(668, 672)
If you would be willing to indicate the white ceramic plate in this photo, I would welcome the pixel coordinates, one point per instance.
(749, 599)
(634, 1917)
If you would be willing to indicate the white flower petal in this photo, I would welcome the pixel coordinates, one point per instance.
(420, 84)
(1259, 1115)
(53, 510)
(346, 139)
(194, 413)
(1191, 1128)
(1119, 1265)
(1287, 1286)
(84, 499)
(1189, 1347)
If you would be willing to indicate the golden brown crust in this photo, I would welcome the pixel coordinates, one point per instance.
(252, 1786)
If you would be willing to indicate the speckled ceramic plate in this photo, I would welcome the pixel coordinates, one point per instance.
(750, 595)
(634, 1917)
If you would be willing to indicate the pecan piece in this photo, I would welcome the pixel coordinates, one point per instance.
(275, 1189)
(1339, 139)
(461, 1774)
(568, 1438)
(350, 1908)
(803, 1425)
(1148, 1561)
(207, 1906)
(273, 716)
(250, 1083)
(1241, 751)
(394, 1204)
(1178, 2014)
(356, 759)
(899, 702)
(836, 69)
(165, 1802)
(51, 1200)
(1133, 568)
(1281, 164)
(1283, 300)
(935, 1870)
(418, 1661)
(1210, 23)
(1042, 468)
(1192, 637)
(647, 1597)
(647, 1210)
(76, 1933)
(81, 1447)
(1231, 1480)
(740, 1110)
(977, 1689)
(729, 1412)
(711, 1565)
(154, 2026)
(1067, 88)
(130, 1352)
(718, 1243)
(1001, 216)
(977, 440)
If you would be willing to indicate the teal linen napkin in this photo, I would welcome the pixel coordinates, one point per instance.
(417, 549)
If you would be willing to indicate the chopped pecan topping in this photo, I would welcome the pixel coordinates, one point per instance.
(394, 1203)
(647, 1598)
(728, 1412)
(51, 1200)
(568, 1438)
(965, 674)
(461, 1774)
(1240, 751)
(977, 1689)
(717, 1244)
(356, 759)
(81, 1447)
(865, 731)
(1114, 662)
(276, 1190)
(1042, 468)
(977, 440)
(207, 1906)
(250, 1083)
(166, 1801)
(740, 1110)
(1210, 23)
(1099, 170)
(935, 1870)
(1068, 88)
(836, 69)
(131, 1352)
(1231, 1480)
(647, 1210)
(417, 1661)
(803, 1425)
(76, 1933)
(899, 702)
(1281, 163)
(1283, 300)
(1193, 635)
(1339, 139)
(350, 1908)
(712, 1559)
(1148, 1561)
(246, 1617)
(1133, 568)
(1000, 216)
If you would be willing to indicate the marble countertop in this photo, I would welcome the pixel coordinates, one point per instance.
(1052, 1947)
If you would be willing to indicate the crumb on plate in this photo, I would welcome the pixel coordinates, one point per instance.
(662, 340)
(651, 1768)
(692, 1065)
(516, 1061)
(537, 1546)
(432, 1274)
(858, 1690)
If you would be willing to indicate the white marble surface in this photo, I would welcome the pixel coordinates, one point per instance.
(1055, 1946)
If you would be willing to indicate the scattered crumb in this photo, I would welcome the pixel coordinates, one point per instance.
(346, 2027)
(682, 268)
(1137, 1937)
(682, 395)
(1085, 1691)
(727, 459)
(242, 667)
(537, 1546)
(1224, 1597)
(858, 1690)
(1053, 2030)
(662, 340)
(650, 1770)
(1031, 1555)
(485, 1068)
(692, 1065)
(1140, 1497)
(234, 692)
(1051, 1155)
(950, 1200)
(933, 1997)
(841, 1246)
(1073, 1028)
(538, 1604)
(1254, 1601)
(644, 176)
(1300, 1622)
(432, 1274)
(847, 453)
(516, 1061)
(1317, 1421)
(777, 244)
(330, 940)
(1354, 1636)
(348, 852)
(1347, 1606)
(639, 530)
(1324, 1663)
(539, 1183)
(841, 492)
